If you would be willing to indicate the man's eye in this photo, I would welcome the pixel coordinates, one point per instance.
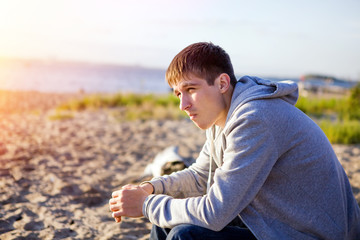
(191, 89)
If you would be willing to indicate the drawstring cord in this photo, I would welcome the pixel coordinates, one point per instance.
(211, 158)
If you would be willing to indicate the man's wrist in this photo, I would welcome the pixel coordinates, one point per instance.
(147, 187)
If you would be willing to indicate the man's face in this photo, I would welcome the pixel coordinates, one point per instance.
(203, 103)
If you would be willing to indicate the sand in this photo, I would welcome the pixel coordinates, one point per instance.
(56, 176)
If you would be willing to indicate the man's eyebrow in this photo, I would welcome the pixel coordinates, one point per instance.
(187, 84)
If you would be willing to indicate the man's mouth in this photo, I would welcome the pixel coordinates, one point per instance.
(192, 116)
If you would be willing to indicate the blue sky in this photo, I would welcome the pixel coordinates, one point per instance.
(266, 38)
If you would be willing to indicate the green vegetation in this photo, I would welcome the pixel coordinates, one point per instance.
(61, 115)
(319, 107)
(130, 106)
(120, 100)
(353, 110)
(345, 132)
(338, 118)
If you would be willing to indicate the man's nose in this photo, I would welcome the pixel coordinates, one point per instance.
(184, 103)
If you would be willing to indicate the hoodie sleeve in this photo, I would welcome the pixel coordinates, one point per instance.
(186, 183)
(248, 158)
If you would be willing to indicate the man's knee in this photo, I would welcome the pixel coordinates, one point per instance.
(185, 231)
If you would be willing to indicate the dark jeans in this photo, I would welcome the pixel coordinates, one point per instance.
(188, 232)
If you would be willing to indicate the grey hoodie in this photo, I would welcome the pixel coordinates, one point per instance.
(271, 165)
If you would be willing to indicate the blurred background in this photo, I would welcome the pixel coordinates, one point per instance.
(116, 45)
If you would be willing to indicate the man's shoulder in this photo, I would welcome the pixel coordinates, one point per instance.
(261, 106)
(256, 107)
(259, 111)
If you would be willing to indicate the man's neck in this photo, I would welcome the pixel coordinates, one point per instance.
(227, 102)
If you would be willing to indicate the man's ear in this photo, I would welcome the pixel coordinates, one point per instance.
(224, 82)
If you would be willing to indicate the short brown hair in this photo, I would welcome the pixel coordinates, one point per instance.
(204, 60)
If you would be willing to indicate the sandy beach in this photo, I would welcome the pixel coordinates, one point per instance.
(56, 176)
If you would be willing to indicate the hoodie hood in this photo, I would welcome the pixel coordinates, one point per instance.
(253, 88)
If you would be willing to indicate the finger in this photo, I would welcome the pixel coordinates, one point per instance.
(118, 219)
(114, 208)
(117, 214)
(115, 194)
(112, 201)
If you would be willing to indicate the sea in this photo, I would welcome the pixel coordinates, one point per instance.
(69, 77)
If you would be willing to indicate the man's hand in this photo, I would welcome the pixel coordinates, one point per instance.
(128, 201)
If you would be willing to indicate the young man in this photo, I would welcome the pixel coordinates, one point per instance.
(264, 162)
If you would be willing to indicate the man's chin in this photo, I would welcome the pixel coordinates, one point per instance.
(201, 126)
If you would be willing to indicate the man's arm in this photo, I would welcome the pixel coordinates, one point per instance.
(248, 160)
